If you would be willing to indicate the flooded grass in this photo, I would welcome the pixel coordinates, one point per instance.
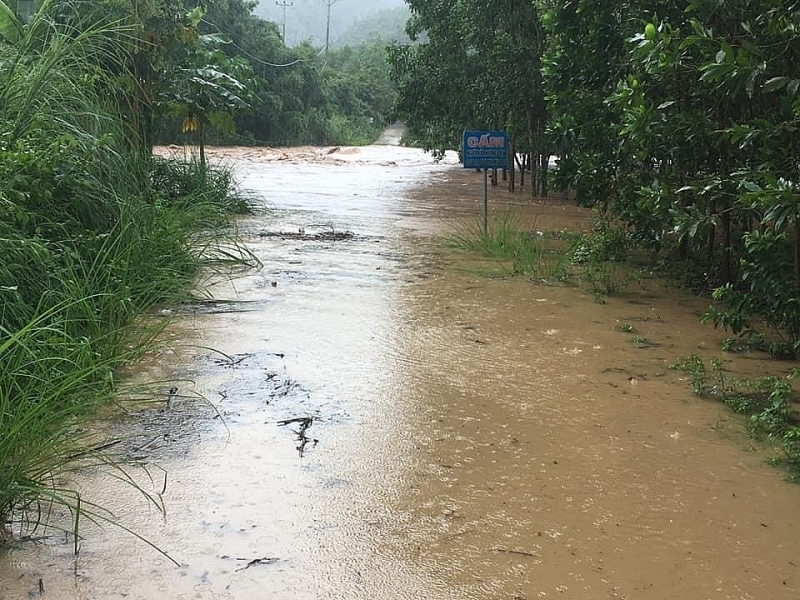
(74, 321)
(770, 403)
(532, 253)
(597, 261)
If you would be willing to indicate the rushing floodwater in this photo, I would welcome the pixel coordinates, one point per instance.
(454, 436)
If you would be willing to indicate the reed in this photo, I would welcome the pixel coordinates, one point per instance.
(92, 235)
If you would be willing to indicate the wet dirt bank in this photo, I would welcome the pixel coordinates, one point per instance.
(464, 437)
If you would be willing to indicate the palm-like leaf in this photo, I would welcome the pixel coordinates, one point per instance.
(10, 25)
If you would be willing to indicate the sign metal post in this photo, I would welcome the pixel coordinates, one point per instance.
(485, 150)
(486, 202)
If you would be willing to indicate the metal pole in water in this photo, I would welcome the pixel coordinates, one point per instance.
(486, 202)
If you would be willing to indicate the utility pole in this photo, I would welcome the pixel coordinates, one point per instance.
(328, 3)
(283, 5)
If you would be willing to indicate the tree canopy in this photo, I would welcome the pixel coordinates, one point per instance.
(680, 119)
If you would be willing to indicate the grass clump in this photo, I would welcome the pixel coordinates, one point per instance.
(530, 253)
(598, 258)
(602, 256)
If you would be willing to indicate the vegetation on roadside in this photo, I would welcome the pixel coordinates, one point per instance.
(94, 232)
(770, 403)
(596, 260)
(532, 253)
(675, 120)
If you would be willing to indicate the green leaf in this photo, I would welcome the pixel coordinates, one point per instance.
(775, 84)
(752, 187)
(194, 16)
(10, 26)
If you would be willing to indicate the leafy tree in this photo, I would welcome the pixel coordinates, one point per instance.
(479, 68)
(680, 118)
(207, 90)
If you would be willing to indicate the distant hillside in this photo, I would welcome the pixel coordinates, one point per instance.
(388, 25)
(306, 19)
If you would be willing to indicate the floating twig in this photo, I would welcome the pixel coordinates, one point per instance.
(305, 423)
(520, 552)
(173, 391)
(457, 534)
(99, 448)
(257, 561)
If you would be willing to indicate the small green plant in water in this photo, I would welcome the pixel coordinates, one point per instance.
(695, 368)
(766, 401)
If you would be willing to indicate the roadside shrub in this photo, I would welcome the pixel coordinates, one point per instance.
(766, 297)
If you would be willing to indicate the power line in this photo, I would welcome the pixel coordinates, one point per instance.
(255, 58)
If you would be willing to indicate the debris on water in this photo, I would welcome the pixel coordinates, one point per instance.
(322, 236)
(233, 360)
(284, 388)
(305, 423)
(267, 560)
(173, 392)
(217, 307)
(518, 552)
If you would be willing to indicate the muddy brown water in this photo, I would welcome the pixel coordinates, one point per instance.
(471, 437)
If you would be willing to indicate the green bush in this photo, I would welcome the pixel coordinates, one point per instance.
(766, 296)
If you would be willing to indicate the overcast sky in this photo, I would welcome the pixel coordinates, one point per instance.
(307, 18)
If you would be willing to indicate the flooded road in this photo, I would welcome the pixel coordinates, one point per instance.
(365, 417)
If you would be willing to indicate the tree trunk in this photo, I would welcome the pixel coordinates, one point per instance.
(545, 167)
(512, 153)
(532, 140)
(727, 265)
(797, 254)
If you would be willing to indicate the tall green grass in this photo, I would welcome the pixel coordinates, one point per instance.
(530, 252)
(92, 234)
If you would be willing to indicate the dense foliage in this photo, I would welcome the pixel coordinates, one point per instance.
(93, 231)
(678, 119)
(288, 96)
